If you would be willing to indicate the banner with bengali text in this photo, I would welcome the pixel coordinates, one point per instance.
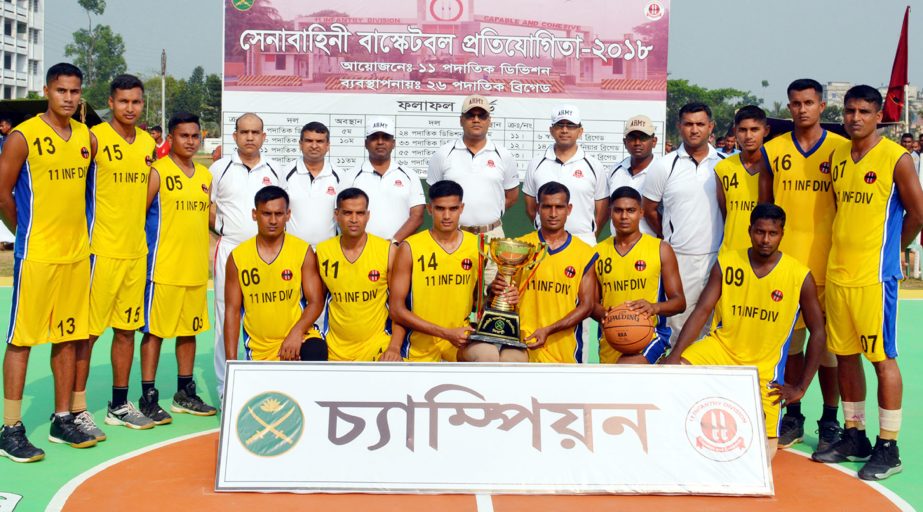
(341, 61)
(469, 428)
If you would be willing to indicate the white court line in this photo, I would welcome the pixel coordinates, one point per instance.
(484, 502)
(880, 489)
(60, 497)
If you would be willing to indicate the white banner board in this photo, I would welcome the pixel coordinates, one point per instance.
(465, 428)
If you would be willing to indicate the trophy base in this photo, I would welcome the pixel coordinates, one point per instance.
(499, 328)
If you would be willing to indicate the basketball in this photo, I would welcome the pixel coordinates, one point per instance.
(626, 331)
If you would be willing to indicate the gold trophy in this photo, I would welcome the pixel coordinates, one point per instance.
(499, 322)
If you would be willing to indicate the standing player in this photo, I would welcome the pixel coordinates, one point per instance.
(42, 191)
(874, 182)
(395, 195)
(798, 180)
(175, 303)
(162, 145)
(739, 175)
(272, 281)
(238, 177)
(640, 271)
(117, 199)
(755, 292)
(562, 292)
(565, 162)
(631, 172)
(313, 183)
(355, 268)
(434, 283)
(485, 170)
(684, 183)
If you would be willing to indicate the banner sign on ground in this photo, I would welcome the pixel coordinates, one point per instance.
(341, 61)
(466, 428)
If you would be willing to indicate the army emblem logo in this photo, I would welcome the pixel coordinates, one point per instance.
(270, 424)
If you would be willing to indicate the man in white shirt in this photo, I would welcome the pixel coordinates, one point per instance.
(631, 172)
(313, 184)
(236, 179)
(684, 183)
(395, 193)
(486, 171)
(907, 141)
(583, 175)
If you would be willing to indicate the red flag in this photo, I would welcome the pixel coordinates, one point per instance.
(894, 102)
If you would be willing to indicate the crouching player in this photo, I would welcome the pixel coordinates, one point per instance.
(757, 288)
(268, 277)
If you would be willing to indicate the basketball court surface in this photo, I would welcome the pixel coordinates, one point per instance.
(173, 466)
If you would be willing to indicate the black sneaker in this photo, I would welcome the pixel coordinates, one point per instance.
(884, 462)
(853, 446)
(65, 431)
(791, 431)
(15, 445)
(188, 402)
(150, 407)
(828, 432)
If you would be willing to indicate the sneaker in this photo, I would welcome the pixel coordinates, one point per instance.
(15, 445)
(87, 424)
(187, 401)
(129, 416)
(853, 446)
(150, 407)
(884, 462)
(791, 431)
(828, 432)
(64, 430)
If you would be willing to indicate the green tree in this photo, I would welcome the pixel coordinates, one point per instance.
(723, 102)
(832, 114)
(99, 52)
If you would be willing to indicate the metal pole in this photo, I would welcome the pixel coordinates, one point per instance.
(163, 90)
(906, 108)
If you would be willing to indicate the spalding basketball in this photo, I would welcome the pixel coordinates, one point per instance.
(627, 331)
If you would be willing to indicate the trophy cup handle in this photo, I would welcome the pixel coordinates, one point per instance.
(532, 266)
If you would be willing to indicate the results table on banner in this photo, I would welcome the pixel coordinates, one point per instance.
(420, 135)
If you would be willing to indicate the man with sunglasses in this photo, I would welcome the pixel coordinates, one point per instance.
(485, 170)
(565, 162)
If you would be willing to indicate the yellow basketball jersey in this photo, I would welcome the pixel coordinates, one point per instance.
(634, 276)
(50, 194)
(117, 193)
(356, 325)
(869, 217)
(741, 192)
(758, 314)
(177, 226)
(551, 294)
(441, 288)
(802, 187)
(272, 295)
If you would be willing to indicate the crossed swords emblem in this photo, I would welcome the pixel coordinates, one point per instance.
(270, 427)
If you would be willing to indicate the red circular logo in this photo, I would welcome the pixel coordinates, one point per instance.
(205, 188)
(266, 181)
(825, 168)
(870, 177)
(466, 264)
(640, 265)
(491, 164)
(719, 429)
(578, 173)
(442, 10)
(374, 275)
(148, 160)
(570, 272)
(286, 275)
(331, 191)
(718, 426)
(776, 295)
(84, 152)
(398, 183)
(654, 11)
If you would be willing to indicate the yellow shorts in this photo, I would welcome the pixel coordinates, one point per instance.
(863, 320)
(51, 302)
(171, 311)
(823, 307)
(259, 349)
(709, 352)
(116, 293)
(368, 350)
(423, 348)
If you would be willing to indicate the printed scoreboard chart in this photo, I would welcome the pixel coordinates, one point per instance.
(415, 60)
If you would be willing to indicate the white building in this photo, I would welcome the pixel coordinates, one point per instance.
(21, 47)
(835, 91)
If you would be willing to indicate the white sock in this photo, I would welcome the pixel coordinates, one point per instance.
(855, 411)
